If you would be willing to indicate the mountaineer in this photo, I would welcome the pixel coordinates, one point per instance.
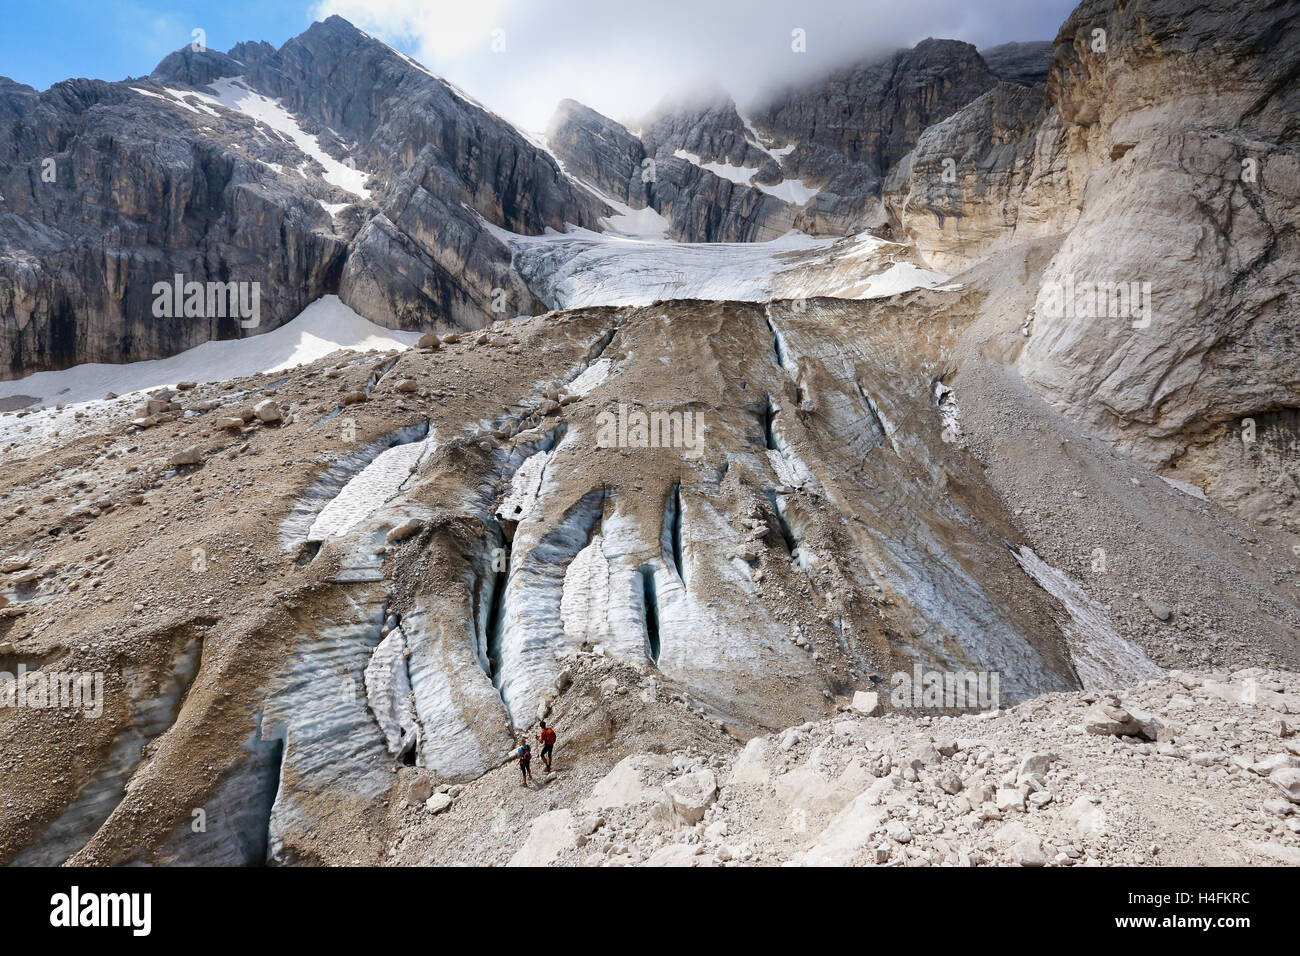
(548, 744)
(525, 756)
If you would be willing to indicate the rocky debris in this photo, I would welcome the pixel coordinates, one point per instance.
(1023, 788)
(429, 340)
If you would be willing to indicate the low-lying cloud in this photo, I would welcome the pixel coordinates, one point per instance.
(520, 57)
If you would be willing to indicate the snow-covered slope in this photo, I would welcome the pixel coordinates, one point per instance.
(72, 394)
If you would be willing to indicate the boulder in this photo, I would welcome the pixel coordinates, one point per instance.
(184, 457)
(867, 703)
(267, 412)
(1036, 764)
(691, 795)
(625, 785)
(850, 831)
(438, 802)
(419, 789)
(549, 835)
(404, 530)
(678, 854)
(1028, 851)
(751, 766)
(949, 782)
(1287, 780)
(1104, 718)
(1010, 798)
(1086, 815)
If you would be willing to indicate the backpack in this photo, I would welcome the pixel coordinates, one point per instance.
(548, 736)
(525, 753)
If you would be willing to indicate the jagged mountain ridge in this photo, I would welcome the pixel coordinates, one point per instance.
(243, 202)
(153, 178)
(810, 157)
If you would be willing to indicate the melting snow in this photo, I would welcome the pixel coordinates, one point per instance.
(592, 377)
(378, 483)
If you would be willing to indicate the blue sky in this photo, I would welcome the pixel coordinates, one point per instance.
(44, 41)
(520, 57)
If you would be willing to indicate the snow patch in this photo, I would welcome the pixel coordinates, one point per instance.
(233, 94)
(792, 191)
(325, 326)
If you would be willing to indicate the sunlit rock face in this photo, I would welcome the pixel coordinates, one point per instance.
(259, 166)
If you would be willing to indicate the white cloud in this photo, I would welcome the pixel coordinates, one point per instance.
(623, 57)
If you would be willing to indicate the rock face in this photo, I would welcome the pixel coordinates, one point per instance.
(1182, 142)
(853, 126)
(699, 204)
(1163, 155)
(1025, 64)
(992, 174)
(601, 152)
(371, 182)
